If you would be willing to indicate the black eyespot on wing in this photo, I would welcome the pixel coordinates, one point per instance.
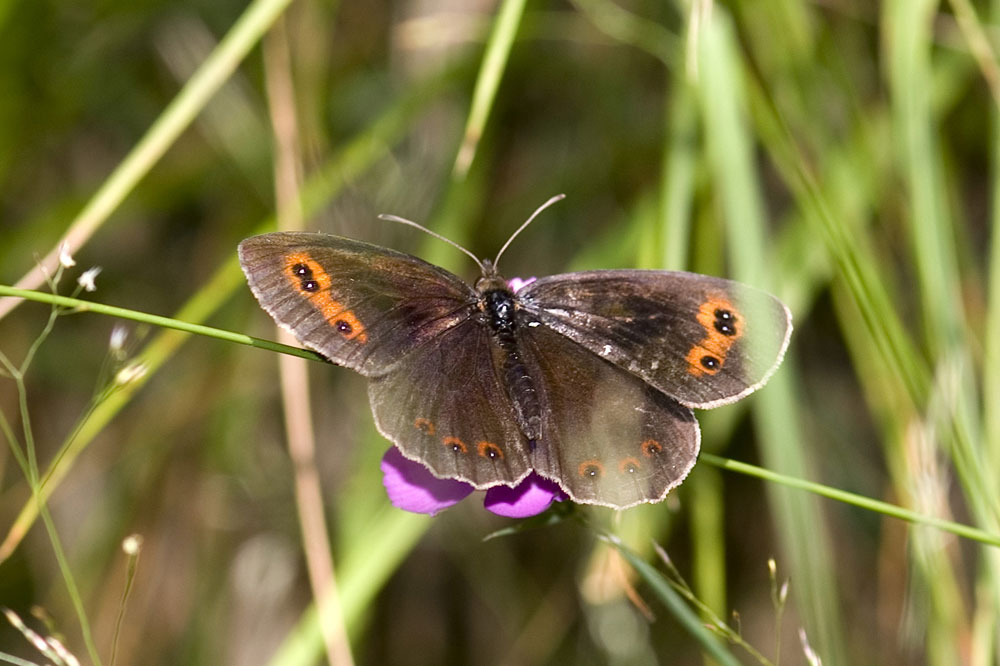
(725, 322)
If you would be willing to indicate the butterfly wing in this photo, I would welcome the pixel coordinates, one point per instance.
(414, 329)
(360, 305)
(608, 437)
(444, 405)
(705, 341)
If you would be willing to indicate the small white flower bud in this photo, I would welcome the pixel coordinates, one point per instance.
(132, 544)
(86, 279)
(65, 258)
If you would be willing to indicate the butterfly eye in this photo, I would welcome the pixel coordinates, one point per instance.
(310, 285)
(302, 270)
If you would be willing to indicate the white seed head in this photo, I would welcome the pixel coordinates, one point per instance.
(86, 279)
(132, 544)
(118, 336)
(66, 260)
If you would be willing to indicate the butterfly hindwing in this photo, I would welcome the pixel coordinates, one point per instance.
(444, 405)
(361, 305)
(608, 437)
(705, 341)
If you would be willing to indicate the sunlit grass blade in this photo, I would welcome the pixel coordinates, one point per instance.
(806, 542)
(498, 47)
(976, 37)
(300, 427)
(954, 392)
(176, 117)
(629, 28)
(680, 158)
(985, 621)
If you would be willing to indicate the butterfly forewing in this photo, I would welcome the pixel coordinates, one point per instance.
(608, 437)
(445, 406)
(360, 305)
(703, 340)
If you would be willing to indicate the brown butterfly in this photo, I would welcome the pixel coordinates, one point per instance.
(586, 378)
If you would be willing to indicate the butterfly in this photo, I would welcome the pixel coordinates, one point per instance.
(586, 378)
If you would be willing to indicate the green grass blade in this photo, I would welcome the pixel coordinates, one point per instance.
(176, 117)
(680, 159)
(806, 544)
(677, 606)
(885, 508)
(494, 63)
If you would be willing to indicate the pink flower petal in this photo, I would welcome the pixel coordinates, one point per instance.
(411, 487)
(518, 283)
(528, 498)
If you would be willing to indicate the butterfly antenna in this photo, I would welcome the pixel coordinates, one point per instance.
(403, 220)
(558, 197)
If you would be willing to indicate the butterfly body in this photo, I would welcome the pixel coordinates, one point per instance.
(499, 306)
(586, 378)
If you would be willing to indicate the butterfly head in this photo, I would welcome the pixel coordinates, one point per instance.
(491, 280)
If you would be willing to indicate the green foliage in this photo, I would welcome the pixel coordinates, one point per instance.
(842, 155)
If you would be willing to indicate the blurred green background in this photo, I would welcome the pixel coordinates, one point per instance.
(842, 154)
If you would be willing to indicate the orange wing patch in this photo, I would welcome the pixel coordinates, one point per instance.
(489, 450)
(591, 469)
(723, 326)
(628, 465)
(314, 283)
(457, 445)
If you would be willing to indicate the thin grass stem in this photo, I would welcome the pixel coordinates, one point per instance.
(878, 506)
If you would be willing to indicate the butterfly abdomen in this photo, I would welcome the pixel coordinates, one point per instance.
(499, 307)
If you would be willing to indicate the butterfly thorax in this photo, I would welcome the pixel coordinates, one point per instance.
(498, 304)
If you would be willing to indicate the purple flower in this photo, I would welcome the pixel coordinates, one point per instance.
(411, 487)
